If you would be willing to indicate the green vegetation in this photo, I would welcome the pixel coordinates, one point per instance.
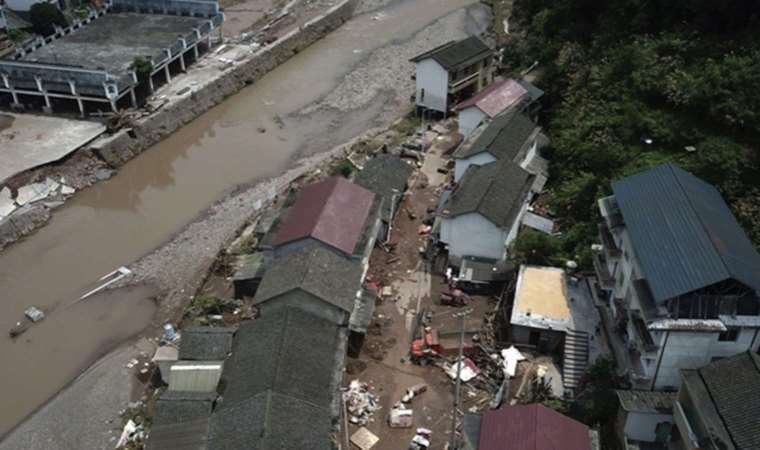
(633, 84)
(142, 67)
(596, 403)
(45, 17)
(18, 36)
(534, 247)
(343, 168)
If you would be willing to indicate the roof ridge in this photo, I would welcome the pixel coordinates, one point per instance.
(677, 177)
(334, 180)
(280, 345)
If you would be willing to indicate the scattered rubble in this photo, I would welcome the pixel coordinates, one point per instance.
(360, 402)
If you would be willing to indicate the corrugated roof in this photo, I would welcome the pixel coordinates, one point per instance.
(534, 92)
(734, 387)
(315, 270)
(189, 435)
(531, 427)
(333, 211)
(503, 138)
(455, 54)
(495, 98)
(206, 343)
(382, 175)
(290, 352)
(648, 402)
(495, 190)
(683, 233)
(180, 421)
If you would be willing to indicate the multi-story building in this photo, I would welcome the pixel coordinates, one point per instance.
(680, 276)
(452, 72)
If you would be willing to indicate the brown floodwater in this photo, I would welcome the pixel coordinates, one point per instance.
(153, 196)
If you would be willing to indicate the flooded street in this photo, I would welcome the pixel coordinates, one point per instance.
(253, 135)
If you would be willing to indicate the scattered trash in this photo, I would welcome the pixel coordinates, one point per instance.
(387, 291)
(34, 314)
(511, 357)
(132, 363)
(121, 271)
(36, 191)
(360, 402)
(131, 434)
(364, 439)
(424, 229)
(6, 203)
(413, 392)
(468, 372)
(170, 334)
(421, 441)
(400, 417)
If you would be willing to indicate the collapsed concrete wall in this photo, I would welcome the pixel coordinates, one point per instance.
(124, 145)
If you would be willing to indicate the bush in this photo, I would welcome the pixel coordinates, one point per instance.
(534, 247)
(142, 67)
(45, 17)
(344, 169)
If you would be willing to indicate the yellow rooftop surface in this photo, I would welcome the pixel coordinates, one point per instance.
(541, 293)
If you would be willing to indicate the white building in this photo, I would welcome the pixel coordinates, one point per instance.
(510, 136)
(681, 276)
(644, 417)
(452, 72)
(488, 103)
(482, 215)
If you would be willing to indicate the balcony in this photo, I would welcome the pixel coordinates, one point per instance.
(606, 281)
(642, 337)
(458, 85)
(608, 241)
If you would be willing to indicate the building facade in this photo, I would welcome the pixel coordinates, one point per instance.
(678, 274)
(452, 72)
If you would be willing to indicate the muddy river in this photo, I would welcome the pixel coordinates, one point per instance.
(153, 196)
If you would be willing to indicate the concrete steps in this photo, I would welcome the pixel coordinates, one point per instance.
(575, 358)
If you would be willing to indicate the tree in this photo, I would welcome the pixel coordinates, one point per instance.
(45, 17)
(534, 247)
(142, 67)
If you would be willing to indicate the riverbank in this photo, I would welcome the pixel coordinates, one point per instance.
(223, 72)
(152, 196)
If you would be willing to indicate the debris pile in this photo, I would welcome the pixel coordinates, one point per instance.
(360, 402)
(421, 440)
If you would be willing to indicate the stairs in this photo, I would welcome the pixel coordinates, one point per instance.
(575, 358)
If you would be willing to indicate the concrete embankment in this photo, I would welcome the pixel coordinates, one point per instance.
(115, 150)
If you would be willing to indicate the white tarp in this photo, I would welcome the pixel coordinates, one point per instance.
(538, 223)
(511, 356)
(468, 372)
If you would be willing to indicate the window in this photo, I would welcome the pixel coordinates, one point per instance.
(730, 335)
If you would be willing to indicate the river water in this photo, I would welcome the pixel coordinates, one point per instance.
(153, 196)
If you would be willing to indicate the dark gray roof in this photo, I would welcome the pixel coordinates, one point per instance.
(271, 421)
(648, 402)
(289, 351)
(485, 270)
(534, 92)
(249, 266)
(381, 175)
(182, 406)
(683, 233)
(471, 431)
(361, 316)
(316, 270)
(734, 388)
(189, 435)
(495, 190)
(455, 54)
(206, 343)
(504, 137)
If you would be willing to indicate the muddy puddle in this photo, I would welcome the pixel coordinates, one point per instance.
(252, 135)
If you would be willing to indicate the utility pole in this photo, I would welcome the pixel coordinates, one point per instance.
(457, 383)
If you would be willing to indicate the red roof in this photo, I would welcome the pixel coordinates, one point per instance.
(497, 97)
(333, 211)
(531, 427)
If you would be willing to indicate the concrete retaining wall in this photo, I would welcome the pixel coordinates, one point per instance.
(122, 146)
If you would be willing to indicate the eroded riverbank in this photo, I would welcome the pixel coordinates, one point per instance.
(153, 196)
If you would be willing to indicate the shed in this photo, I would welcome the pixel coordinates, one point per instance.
(195, 376)
(483, 275)
(206, 343)
(249, 269)
(645, 416)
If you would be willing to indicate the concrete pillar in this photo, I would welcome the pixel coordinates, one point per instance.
(73, 89)
(195, 51)
(182, 61)
(133, 97)
(113, 105)
(168, 74)
(150, 83)
(7, 84)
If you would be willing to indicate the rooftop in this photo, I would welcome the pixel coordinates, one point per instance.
(333, 211)
(456, 54)
(503, 137)
(684, 235)
(733, 392)
(290, 352)
(495, 191)
(385, 175)
(541, 299)
(647, 402)
(315, 270)
(531, 427)
(206, 343)
(111, 42)
(495, 98)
